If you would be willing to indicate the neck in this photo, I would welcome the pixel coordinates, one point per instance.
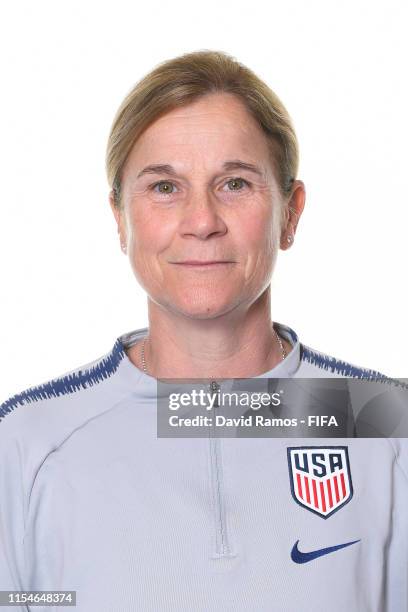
(240, 344)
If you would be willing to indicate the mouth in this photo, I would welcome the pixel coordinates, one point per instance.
(205, 265)
(202, 263)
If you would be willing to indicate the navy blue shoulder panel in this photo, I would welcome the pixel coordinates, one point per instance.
(80, 379)
(344, 368)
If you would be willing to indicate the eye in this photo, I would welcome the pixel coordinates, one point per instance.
(165, 187)
(236, 183)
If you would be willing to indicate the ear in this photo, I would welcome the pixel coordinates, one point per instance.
(114, 208)
(119, 217)
(293, 210)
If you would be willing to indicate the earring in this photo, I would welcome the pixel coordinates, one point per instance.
(289, 238)
(123, 247)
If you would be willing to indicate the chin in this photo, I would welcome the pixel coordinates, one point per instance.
(201, 308)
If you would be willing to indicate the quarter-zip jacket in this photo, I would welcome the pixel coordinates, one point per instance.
(92, 500)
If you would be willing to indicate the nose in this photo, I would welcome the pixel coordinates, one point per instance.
(201, 218)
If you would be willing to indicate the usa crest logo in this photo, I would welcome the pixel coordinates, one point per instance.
(320, 478)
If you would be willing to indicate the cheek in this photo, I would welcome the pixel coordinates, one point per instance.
(149, 234)
(259, 234)
(261, 239)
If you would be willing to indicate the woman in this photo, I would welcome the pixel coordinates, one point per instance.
(202, 162)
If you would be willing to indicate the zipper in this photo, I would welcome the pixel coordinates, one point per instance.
(222, 547)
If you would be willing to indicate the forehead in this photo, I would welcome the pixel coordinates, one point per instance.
(213, 127)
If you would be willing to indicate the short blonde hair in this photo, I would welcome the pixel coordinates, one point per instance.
(184, 79)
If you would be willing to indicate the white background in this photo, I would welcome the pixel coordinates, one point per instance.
(67, 290)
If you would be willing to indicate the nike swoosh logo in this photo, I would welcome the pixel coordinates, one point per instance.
(303, 557)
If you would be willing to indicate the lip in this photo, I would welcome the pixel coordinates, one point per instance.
(202, 264)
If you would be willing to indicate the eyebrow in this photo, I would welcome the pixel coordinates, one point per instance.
(234, 164)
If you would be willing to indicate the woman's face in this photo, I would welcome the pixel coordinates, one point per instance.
(201, 205)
